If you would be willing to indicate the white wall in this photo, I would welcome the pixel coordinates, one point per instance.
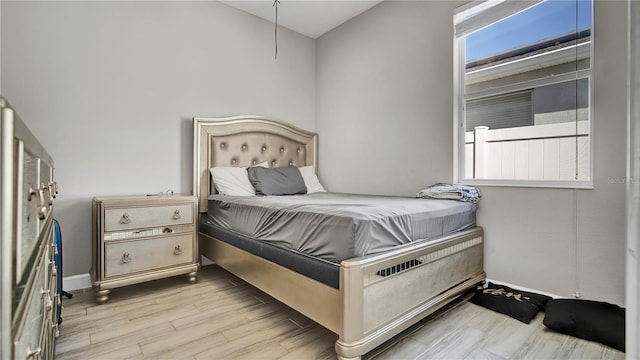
(110, 88)
(384, 118)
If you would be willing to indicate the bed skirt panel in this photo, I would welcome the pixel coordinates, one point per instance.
(317, 301)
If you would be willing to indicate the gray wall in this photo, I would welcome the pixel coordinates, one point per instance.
(384, 116)
(110, 89)
(384, 85)
(0, 45)
(633, 187)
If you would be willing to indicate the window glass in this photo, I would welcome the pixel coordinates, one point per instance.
(524, 90)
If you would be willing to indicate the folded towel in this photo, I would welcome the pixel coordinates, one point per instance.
(451, 192)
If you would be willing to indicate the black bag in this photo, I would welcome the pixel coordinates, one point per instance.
(520, 305)
(586, 319)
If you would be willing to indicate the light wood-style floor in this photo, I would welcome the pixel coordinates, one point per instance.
(222, 317)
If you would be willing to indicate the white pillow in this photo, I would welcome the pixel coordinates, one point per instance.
(230, 180)
(311, 180)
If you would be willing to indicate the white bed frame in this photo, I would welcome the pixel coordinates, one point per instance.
(368, 309)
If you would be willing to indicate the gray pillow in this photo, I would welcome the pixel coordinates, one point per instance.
(277, 181)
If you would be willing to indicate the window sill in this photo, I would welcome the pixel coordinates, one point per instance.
(558, 184)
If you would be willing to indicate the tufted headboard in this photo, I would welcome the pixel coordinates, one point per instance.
(244, 141)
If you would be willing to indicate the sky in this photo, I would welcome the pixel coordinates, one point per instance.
(546, 20)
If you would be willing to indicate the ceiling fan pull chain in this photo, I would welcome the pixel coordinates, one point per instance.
(276, 3)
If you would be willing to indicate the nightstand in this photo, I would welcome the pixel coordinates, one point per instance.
(142, 238)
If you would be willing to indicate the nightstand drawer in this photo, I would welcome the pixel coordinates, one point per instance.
(144, 217)
(131, 256)
(142, 238)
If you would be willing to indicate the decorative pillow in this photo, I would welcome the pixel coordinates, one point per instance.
(277, 181)
(230, 180)
(520, 305)
(311, 180)
(586, 319)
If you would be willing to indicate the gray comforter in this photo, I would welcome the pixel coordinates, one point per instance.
(335, 226)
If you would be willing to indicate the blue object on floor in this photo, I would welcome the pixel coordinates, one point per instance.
(57, 259)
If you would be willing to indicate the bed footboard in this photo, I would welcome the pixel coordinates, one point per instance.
(384, 294)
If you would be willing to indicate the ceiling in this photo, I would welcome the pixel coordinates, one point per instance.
(308, 17)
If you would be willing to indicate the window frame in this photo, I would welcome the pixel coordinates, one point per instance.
(460, 98)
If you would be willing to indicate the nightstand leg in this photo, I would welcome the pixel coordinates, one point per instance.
(193, 277)
(102, 296)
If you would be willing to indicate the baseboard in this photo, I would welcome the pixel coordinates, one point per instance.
(525, 288)
(205, 261)
(83, 281)
(76, 282)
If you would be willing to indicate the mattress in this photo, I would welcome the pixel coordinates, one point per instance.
(335, 226)
(321, 270)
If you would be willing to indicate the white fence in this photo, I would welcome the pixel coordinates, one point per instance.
(540, 152)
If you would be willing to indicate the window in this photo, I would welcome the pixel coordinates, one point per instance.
(522, 93)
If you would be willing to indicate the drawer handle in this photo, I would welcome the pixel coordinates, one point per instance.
(46, 299)
(176, 215)
(126, 258)
(42, 207)
(34, 354)
(177, 250)
(125, 219)
(52, 196)
(54, 185)
(49, 301)
(32, 192)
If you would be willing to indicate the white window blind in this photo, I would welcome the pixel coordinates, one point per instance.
(479, 14)
(499, 112)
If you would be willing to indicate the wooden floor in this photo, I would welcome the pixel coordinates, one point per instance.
(223, 317)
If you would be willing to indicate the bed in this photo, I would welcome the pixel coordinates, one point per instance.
(366, 299)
